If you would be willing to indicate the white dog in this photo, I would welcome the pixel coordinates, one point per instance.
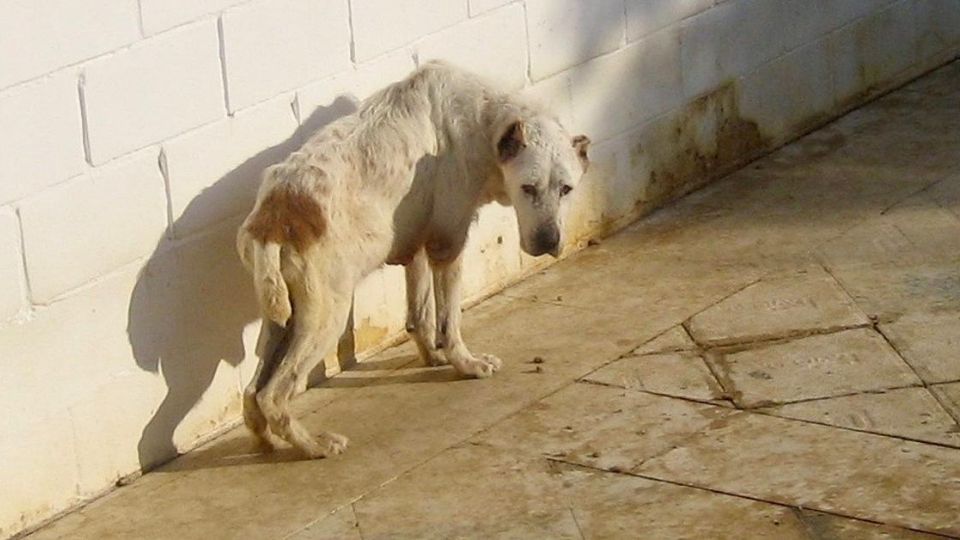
(399, 182)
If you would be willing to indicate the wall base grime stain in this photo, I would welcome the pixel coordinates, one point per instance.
(705, 140)
(368, 336)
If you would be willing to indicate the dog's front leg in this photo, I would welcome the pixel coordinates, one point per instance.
(421, 313)
(446, 279)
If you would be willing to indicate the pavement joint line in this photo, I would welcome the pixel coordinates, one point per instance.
(716, 491)
(356, 519)
(768, 410)
(914, 193)
(807, 527)
(856, 430)
(751, 343)
(485, 429)
(738, 290)
(659, 394)
(924, 383)
(577, 523)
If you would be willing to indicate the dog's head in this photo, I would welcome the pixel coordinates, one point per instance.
(541, 166)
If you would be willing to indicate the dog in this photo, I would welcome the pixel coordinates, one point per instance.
(397, 182)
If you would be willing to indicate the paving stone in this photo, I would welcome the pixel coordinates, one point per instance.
(929, 342)
(949, 396)
(860, 475)
(438, 410)
(651, 289)
(485, 492)
(812, 367)
(912, 231)
(906, 412)
(826, 526)
(673, 374)
(778, 307)
(891, 291)
(674, 339)
(341, 525)
(601, 426)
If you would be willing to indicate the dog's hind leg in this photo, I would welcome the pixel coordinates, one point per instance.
(421, 309)
(447, 288)
(269, 350)
(318, 324)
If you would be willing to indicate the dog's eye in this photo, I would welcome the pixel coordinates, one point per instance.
(565, 190)
(529, 189)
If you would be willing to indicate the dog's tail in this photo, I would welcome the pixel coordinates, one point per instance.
(271, 289)
(263, 259)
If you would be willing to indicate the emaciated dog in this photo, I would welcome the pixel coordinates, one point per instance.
(397, 182)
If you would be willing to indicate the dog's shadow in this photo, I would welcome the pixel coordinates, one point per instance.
(193, 299)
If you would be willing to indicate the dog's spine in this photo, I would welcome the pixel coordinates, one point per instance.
(271, 288)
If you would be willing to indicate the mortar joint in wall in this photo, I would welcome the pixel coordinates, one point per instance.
(223, 65)
(84, 124)
(353, 43)
(165, 175)
(140, 18)
(295, 107)
(27, 311)
(526, 30)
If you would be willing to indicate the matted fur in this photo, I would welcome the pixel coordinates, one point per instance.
(398, 182)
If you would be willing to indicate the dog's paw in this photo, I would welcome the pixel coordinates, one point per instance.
(492, 361)
(336, 443)
(327, 444)
(483, 367)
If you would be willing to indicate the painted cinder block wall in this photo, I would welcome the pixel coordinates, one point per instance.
(132, 134)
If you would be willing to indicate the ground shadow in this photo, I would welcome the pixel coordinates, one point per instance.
(193, 298)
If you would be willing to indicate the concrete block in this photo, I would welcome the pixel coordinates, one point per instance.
(564, 33)
(492, 45)
(477, 7)
(554, 94)
(647, 16)
(789, 93)
(276, 45)
(41, 135)
(379, 307)
(11, 264)
(750, 32)
(384, 25)
(616, 92)
(214, 171)
(81, 229)
(160, 15)
(888, 41)
(492, 254)
(40, 36)
(937, 25)
(158, 88)
(872, 50)
(326, 100)
(40, 471)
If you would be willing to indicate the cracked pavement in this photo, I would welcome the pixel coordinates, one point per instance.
(774, 356)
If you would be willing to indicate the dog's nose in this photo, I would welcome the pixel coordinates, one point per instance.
(548, 240)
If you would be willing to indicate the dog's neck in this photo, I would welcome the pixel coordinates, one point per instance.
(439, 106)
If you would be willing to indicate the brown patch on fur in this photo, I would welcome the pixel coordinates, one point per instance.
(288, 217)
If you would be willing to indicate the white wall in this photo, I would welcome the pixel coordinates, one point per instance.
(132, 133)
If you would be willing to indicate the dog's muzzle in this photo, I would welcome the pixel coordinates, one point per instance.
(547, 240)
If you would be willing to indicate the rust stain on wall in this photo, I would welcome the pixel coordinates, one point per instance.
(707, 139)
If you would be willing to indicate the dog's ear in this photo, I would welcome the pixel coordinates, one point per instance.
(581, 143)
(512, 141)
